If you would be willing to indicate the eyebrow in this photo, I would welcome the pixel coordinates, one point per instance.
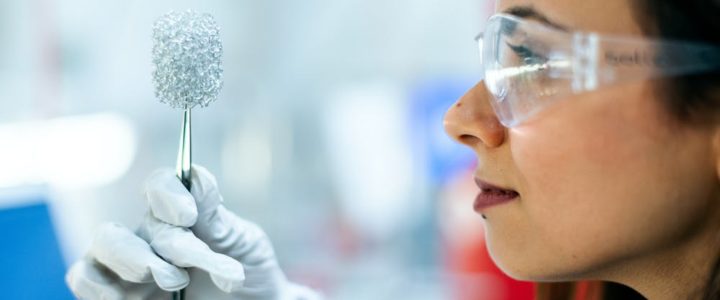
(529, 12)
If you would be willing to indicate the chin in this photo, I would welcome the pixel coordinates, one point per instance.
(512, 267)
(542, 275)
(537, 270)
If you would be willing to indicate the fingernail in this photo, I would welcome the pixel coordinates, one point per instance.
(227, 285)
(170, 279)
(229, 274)
(188, 216)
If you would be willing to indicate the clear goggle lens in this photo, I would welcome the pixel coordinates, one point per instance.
(528, 65)
(519, 69)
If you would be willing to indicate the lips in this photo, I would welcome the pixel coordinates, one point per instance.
(491, 195)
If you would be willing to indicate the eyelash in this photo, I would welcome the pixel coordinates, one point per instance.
(528, 56)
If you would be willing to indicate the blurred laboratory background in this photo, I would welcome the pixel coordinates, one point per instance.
(328, 134)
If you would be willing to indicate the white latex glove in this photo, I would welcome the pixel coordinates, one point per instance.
(183, 230)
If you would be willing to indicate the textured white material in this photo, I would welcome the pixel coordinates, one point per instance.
(187, 55)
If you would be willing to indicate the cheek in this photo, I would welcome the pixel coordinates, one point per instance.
(594, 189)
(592, 139)
(577, 180)
(578, 146)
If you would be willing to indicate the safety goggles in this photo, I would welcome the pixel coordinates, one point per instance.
(528, 65)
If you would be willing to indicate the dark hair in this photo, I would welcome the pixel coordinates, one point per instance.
(694, 98)
(585, 290)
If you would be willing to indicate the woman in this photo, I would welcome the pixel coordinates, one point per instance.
(598, 159)
(594, 177)
(585, 177)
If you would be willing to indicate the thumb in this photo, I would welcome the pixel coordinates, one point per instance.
(206, 193)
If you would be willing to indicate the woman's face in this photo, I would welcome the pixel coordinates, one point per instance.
(605, 179)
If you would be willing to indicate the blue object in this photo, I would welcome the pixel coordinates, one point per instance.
(429, 100)
(32, 265)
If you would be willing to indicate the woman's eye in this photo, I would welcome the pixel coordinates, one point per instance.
(527, 55)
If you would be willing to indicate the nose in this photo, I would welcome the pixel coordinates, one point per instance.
(472, 122)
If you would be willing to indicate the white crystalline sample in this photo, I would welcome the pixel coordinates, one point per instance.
(187, 56)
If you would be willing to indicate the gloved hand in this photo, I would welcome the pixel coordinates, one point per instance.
(183, 230)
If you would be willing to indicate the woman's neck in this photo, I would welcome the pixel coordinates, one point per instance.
(677, 272)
